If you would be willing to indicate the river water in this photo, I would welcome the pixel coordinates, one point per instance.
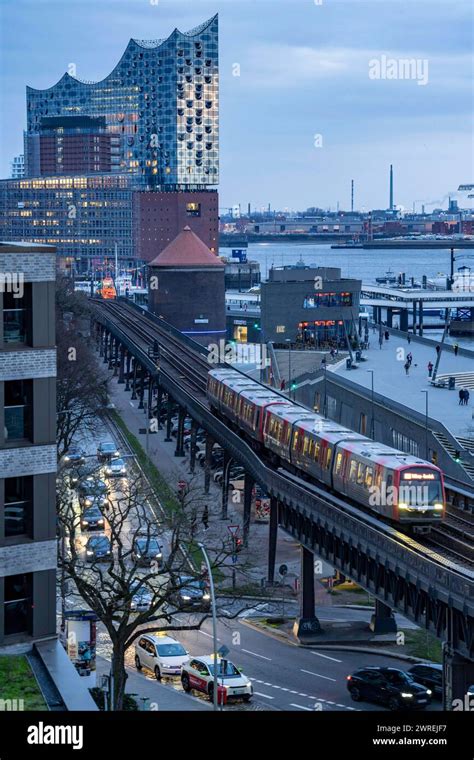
(360, 263)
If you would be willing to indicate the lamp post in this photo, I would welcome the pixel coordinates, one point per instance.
(372, 420)
(426, 424)
(214, 621)
(288, 340)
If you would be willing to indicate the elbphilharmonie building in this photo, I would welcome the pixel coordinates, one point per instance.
(161, 101)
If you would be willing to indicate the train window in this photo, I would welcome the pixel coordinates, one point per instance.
(288, 433)
(378, 478)
(389, 480)
(328, 458)
(360, 473)
(369, 476)
(338, 463)
(295, 440)
(317, 449)
(353, 470)
(307, 444)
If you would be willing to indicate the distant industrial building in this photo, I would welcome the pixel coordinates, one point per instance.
(311, 307)
(186, 288)
(28, 547)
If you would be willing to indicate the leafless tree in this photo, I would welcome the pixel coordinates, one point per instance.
(82, 386)
(128, 599)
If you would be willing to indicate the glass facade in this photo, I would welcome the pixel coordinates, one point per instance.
(162, 99)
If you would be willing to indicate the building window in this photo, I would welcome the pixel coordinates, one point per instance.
(18, 506)
(17, 317)
(280, 328)
(318, 300)
(363, 424)
(17, 604)
(18, 410)
(193, 209)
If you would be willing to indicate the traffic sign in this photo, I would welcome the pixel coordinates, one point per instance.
(233, 530)
(223, 651)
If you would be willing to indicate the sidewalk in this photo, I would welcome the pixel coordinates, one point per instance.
(391, 380)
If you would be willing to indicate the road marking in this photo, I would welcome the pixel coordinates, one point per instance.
(207, 634)
(300, 707)
(318, 654)
(301, 694)
(257, 655)
(310, 672)
(131, 403)
(259, 694)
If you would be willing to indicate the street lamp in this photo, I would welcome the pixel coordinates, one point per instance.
(426, 424)
(288, 340)
(214, 620)
(372, 420)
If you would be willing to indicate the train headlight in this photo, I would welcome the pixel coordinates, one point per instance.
(438, 506)
(402, 505)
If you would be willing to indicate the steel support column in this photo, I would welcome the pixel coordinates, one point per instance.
(169, 412)
(115, 357)
(101, 333)
(308, 624)
(141, 392)
(134, 380)
(248, 487)
(272, 539)
(225, 484)
(121, 378)
(420, 332)
(127, 379)
(106, 346)
(159, 404)
(179, 450)
(207, 463)
(192, 447)
(383, 621)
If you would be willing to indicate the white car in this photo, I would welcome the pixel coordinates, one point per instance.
(162, 654)
(116, 468)
(198, 674)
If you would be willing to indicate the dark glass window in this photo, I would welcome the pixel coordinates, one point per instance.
(17, 604)
(18, 506)
(17, 316)
(18, 409)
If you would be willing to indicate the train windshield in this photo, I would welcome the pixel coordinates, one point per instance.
(420, 488)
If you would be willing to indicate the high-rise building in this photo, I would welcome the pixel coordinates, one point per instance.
(162, 100)
(18, 166)
(28, 550)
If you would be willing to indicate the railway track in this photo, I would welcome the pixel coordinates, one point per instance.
(455, 540)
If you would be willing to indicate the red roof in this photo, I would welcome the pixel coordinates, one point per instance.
(186, 250)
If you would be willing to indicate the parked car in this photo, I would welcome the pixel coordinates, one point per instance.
(98, 549)
(92, 491)
(388, 686)
(106, 450)
(198, 674)
(429, 674)
(74, 457)
(190, 594)
(92, 519)
(116, 468)
(146, 550)
(161, 654)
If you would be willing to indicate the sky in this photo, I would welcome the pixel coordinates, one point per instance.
(312, 92)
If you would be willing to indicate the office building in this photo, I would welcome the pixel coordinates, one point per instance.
(18, 166)
(314, 307)
(28, 547)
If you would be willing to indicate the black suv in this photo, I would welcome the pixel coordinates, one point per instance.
(389, 686)
(429, 674)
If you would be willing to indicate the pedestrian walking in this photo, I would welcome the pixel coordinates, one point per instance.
(466, 396)
(387, 335)
(410, 358)
(438, 349)
(456, 349)
(205, 517)
(461, 396)
(430, 369)
(407, 367)
(282, 385)
(409, 338)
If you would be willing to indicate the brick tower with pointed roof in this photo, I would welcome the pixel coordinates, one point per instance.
(187, 288)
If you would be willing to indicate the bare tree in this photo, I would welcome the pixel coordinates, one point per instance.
(129, 599)
(82, 386)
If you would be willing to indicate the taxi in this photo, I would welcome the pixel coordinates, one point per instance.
(198, 674)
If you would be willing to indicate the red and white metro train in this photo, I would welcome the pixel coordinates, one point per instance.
(402, 488)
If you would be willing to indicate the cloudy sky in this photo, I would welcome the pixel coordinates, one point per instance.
(304, 116)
